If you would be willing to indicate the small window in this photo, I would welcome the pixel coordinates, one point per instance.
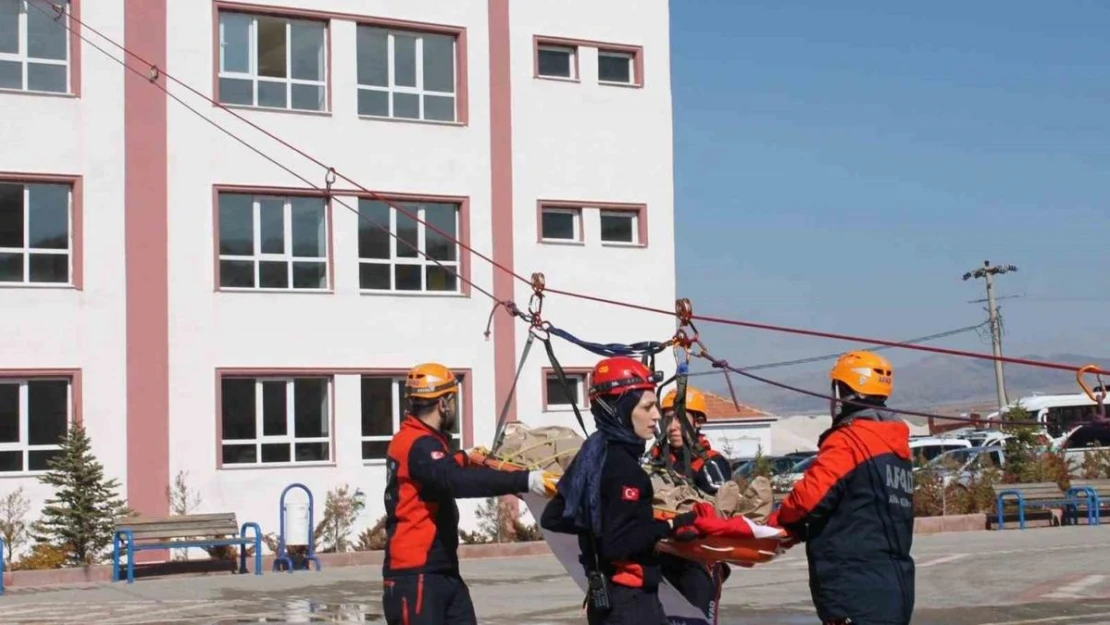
(273, 242)
(561, 224)
(34, 46)
(556, 61)
(560, 397)
(34, 418)
(620, 227)
(407, 74)
(272, 62)
(35, 233)
(615, 67)
(383, 409)
(275, 420)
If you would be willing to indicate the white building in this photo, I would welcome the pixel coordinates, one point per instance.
(201, 310)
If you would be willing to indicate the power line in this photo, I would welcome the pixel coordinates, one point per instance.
(833, 356)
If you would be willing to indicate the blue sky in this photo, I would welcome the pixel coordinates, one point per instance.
(839, 166)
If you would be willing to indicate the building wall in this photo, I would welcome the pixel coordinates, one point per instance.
(76, 328)
(518, 142)
(743, 438)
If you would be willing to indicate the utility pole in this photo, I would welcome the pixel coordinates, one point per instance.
(987, 272)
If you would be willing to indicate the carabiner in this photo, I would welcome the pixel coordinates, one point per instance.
(1101, 396)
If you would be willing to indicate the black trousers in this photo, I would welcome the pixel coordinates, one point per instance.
(427, 599)
(700, 586)
(630, 606)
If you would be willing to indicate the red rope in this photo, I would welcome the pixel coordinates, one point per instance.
(710, 319)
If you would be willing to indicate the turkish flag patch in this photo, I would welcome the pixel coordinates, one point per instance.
(436, 455)
(630, 493)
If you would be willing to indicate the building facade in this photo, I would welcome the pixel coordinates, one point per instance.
(209, 301)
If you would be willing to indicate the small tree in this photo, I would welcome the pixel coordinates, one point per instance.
(80, 519)
(183, 500)
(341, 510)
(13, 527)
(761, 466)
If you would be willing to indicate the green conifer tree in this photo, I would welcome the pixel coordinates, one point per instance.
(79, 520)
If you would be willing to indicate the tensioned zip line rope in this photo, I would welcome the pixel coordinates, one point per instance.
(60, 10)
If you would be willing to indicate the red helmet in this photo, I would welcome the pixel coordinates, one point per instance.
(614, 376)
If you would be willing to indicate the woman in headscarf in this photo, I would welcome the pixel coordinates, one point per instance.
(605, 497)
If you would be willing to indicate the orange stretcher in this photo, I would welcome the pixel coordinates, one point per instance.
(744, 552)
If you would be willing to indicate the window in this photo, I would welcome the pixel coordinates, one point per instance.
(620, 227)
(615, 67)
(556, 61)
(559, 397)
(272, 62)
(34, 418)
(34, 49)
(406, 75)
(560, 224)
(273, 242)
(389, 263)
(383, 409)
(35, 233)
(275, 420)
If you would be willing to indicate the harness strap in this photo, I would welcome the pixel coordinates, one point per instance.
(562, 377)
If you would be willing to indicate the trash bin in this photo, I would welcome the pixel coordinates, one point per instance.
(296, 524)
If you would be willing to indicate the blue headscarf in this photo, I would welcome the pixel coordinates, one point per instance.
(580, 486)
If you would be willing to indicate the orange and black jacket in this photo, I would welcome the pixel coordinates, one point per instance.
(709, 468)
(629, 531)
(424, 479)
(854, 509)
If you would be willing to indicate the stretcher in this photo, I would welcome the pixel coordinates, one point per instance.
(746, 552)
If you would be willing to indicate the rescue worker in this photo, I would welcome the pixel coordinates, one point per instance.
(605, 497)
(853, 506)
(421, 581)
(708, 469)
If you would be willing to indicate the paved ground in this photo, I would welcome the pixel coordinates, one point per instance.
(1037, 576)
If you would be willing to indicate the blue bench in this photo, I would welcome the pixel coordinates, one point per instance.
(1043, 495)
(1098, 491)
(178, 532)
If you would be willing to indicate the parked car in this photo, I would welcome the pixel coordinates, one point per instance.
(783, 482)
(778, 465)
(961, 466)
(925, 448)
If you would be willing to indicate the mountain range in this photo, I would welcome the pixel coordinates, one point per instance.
(936, 383)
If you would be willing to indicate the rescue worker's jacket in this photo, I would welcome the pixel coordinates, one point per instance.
(709, 468)
(629, 531)
(854, 508)
(423, 480)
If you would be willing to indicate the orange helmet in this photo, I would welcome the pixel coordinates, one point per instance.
(865, 373)
(695, 401)
(429, 381)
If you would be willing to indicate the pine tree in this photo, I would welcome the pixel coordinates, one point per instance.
(80, 519)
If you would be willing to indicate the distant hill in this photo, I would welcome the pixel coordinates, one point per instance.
(927, 384)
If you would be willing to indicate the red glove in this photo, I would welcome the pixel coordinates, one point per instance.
(684, 527)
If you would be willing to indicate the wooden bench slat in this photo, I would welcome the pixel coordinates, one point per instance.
(228, 517)
(201, 528)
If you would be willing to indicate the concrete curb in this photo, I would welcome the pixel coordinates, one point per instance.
(22, 580)
(25, 581)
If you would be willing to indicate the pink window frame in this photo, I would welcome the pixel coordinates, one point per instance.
(77, 274)
(636, 51)
(330, 373)
(583, 372)
(288, 191)
(279, 12)
(467, 430)
(463, 234)
(640, 210)
(462, 81)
